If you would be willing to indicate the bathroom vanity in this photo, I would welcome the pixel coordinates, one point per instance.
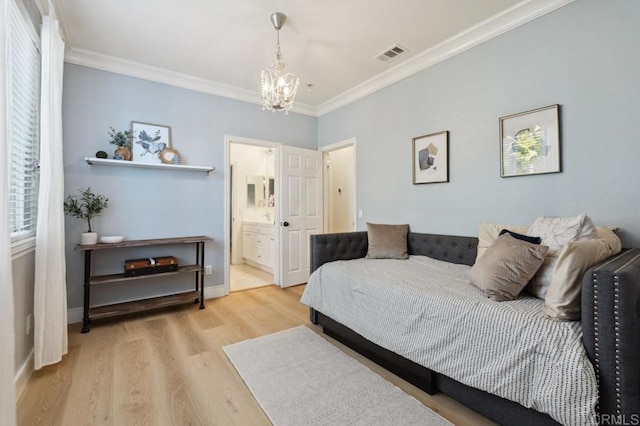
(259, 245)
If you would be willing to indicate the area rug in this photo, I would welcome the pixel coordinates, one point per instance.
(298, 378)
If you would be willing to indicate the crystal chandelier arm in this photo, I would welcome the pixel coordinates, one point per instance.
(278, 86)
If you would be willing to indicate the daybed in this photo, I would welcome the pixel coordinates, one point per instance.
(610, 329)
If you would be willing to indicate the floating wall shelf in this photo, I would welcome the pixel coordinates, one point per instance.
(92, 161)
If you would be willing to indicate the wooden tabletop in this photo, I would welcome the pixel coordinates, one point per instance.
(142, 243)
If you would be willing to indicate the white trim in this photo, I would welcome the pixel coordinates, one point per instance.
(74, 315)
(23, 375)
(172, 78)
(214, 291)
(227, 199)
(338, 145)
(511, 18)
(59, 14)
(23, 247)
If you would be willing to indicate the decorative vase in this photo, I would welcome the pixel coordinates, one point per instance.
(122, 153)
(88, 238)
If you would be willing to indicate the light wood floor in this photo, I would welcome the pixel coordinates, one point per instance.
(168, 367)
(244, 277)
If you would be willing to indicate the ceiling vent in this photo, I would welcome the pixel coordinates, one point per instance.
(392, 53)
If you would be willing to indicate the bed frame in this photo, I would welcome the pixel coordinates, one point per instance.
(610, 324)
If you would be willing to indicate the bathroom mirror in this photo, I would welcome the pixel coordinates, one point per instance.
(258, 190)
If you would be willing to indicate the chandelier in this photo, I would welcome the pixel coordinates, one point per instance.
(278, 86)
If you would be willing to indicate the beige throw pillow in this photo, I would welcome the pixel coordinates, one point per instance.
(556, 233)
(563, 300)
(488, 234)
(387, 241)
(506, 267)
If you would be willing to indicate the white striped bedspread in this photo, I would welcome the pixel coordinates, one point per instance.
(426, 311)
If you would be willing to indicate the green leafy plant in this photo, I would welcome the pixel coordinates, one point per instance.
(86, 206)
(120, 137)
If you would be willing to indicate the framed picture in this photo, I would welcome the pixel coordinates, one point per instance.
(530, 142)
(148, 141)
(431, 158)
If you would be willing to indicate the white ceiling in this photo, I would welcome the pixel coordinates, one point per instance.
(222, 45)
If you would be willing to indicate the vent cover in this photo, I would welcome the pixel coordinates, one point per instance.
(392, 53)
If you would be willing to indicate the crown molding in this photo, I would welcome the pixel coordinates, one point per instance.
(159, 75)
(517, 15)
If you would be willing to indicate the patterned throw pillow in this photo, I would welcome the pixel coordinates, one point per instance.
(556, 232)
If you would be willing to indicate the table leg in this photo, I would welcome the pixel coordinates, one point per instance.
(202, 275)
(86, 321)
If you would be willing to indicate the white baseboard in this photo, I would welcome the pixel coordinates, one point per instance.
(23, 375)
(74, 315)
(214, 291)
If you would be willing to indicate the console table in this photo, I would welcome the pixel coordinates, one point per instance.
(105, 311)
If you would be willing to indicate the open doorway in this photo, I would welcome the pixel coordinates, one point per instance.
(340, 187)
(252, 197)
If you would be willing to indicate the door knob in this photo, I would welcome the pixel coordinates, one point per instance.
(285, 223)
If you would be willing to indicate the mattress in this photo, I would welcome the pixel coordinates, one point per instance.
(425, 310)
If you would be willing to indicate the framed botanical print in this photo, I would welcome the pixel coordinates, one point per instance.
(530, 142)
(148, 142)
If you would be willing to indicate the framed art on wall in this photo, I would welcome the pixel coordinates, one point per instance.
(431, 158)
(530, 142)
(148, 141)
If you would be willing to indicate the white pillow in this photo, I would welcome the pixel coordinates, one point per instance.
(488, 234)
(556, 232)
(563, 297)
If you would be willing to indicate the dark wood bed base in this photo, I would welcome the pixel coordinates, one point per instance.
(610, 325)
(497, 409)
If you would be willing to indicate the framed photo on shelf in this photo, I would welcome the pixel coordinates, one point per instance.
(431, 158)
(530, 142)
(148, 142)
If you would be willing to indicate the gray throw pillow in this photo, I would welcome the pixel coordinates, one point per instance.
(387, 241)
(506, 267)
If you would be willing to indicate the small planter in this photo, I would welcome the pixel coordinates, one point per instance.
(89, 238)
(122, 153)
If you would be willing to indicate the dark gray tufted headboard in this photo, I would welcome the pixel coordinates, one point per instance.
(353, 245)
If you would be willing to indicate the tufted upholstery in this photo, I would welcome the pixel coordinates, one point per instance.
(461, 250)
(344, 246)
(353, 245)
(610, 321)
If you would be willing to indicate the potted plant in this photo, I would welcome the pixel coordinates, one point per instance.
(122, 140)
(86, 206)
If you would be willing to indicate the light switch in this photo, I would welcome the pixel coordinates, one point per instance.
(360, 214)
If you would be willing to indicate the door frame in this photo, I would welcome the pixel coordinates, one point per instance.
(228, 140)
(325, 179)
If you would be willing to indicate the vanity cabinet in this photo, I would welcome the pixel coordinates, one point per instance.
(259, 245)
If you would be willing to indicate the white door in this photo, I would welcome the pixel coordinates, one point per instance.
(300, 211)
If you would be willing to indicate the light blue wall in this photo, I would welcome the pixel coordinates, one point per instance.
(584, 56)
(156, 203)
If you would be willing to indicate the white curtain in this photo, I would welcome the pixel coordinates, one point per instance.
(7, 332)
(50, 292)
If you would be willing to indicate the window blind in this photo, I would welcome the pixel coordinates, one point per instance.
(24, 125)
